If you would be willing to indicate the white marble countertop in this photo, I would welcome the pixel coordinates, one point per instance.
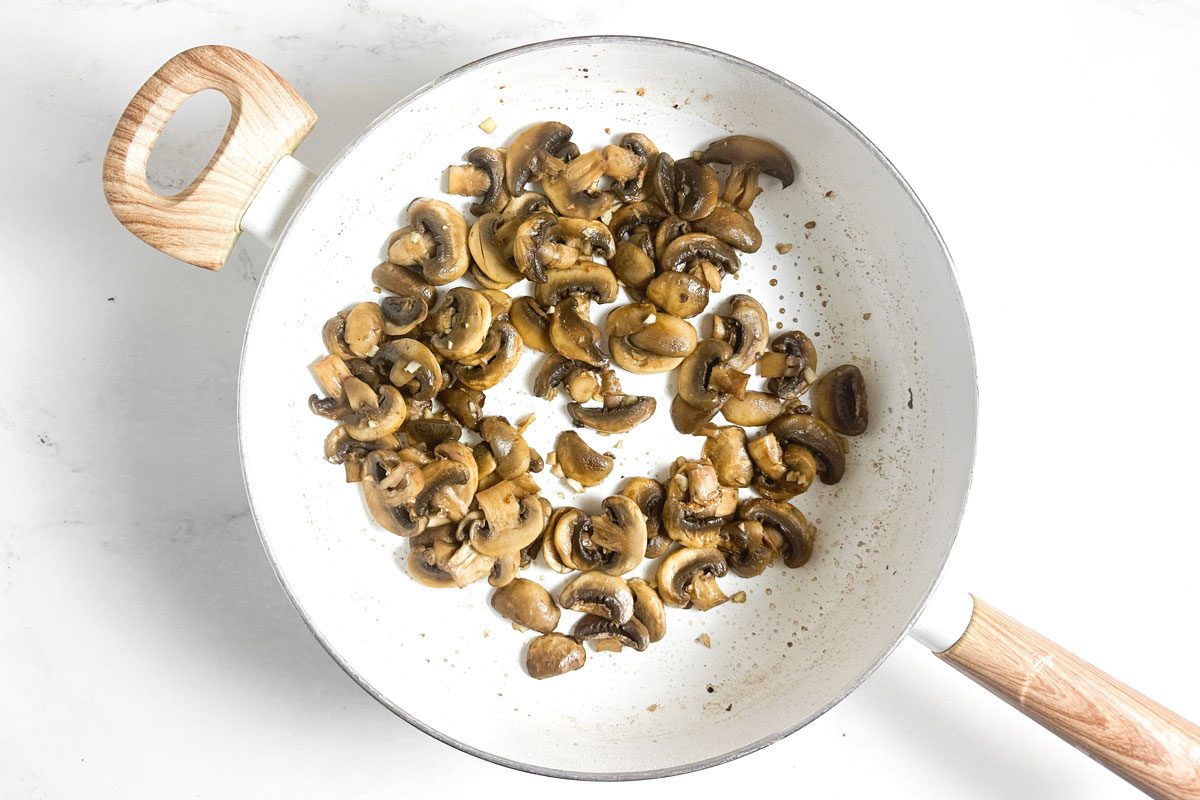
(146, 649)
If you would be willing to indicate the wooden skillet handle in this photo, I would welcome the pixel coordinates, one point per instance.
(1153, 748)
(200, 224)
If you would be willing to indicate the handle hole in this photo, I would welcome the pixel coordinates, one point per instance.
(188, 142)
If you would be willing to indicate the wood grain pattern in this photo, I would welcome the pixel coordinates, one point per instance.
(1150, 746)
(200, 224)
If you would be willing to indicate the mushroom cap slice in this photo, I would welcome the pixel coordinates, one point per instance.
(744, 328)
(696, 189)
(633, 266)
(750, 150)
(571, 534)
(747, 548)
(694, 247)
(404, 282)
(726, 449)
(620, 413)
(411, 367)
(752, 410)
(815, 436)
(527, 154)
(787, 520)
(441, 223)
(507, 445)
(587, 277)
(634, 216)
(527, 603)
(574, 189)
(368, 423)
(599, 593)
(429, 432)
(588, 236)
(464, 403)
(514, 516)
(732, 226)
(839, 399)
(493, 257)
(468, 565)
(389, 484)
(702, 372)
(402, 314)
(460, 325)
(363, 329)
(637, 361)
(535, 249)
(504, 571)
(620, 533)
(689, 419)
(580, 462)
(573, 334)
(497, 366)
(532, 322)
(490, 162)
(553, 654)
(648, 609)
(649, 495)
(687, 575)
(644, 340)
(427, 557)
(678, 293)
(794, 369)
(631, 633)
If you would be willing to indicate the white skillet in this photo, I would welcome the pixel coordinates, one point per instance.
(868, 276)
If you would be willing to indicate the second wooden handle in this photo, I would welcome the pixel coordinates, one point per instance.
(1150, 746)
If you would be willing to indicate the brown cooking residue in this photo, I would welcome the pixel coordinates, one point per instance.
(812, 223)
(867, 315)
(641, 91)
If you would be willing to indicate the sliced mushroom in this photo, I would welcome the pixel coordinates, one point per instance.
(498, 364)
(378, 417)
(648, 609)
(574, 188)
(668, 231)
(579, 462)
(526, 156)
(747, 548)
(601, 594)
(688, 576)
(402, 314)
(587, 277)
(839, 399)
(507, 445)
(581, 380)
(660, 181)
(747, 157)
(500, 302)
(493, 255)
(678, 293)
(812, 434)
(754, 409)
(411, 367)
(601, 632)
(634, 217)
(340, 448)
(696, 505)
(483, 177)
(791, 365)
(428, 554)
(460, 325)
(363, 329)
(781, 476)
(588, 236)
(568, 542)
(645, 340)
(618, 414)
(435, 240)
(649, 495)
(536, 250)
(620, 535)
(514, 516)
(333, 333)
(573, 334)
(706, 380)
(528, 604)
(389, 484)
(633, 266)
(784, 518)
(705, 257)
(744, 328)
(429, 432)
(733, 227)
(696, 189)
(464, 403)
(532, 322)
(468, 565)
(631, 189)
(404, 282)
(553, 654)
(689, 419)
(330, 371)
(726, 449)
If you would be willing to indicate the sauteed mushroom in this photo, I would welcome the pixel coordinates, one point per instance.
(791, 365)
(645, 340)
(689, 419)
(726, 449)
(567, 544)
(688, 576)
(633, 265)
(697, 505)
(389, 485)
(573, 334)
(507, 446)
(696, 189)
(779, 477)
(483, 177)
(732, 226)
(839, 399)
(499, 362)
(579, 462)
(785, 519)
(492, 254)
(631, 189)
(459, 326)
(747, 547)
(514, 516)
(574, 188)
(753, 409)
(528, 604)
(618, 414)
(600, 631)
(363, 329)
(404, 282)
(678, 293)
(464, 403)
(703, 256)
(706, 379)
(582, 381)
(553, 654)
(527, 154)
(428, 554)
(744, 328)
(813, 435)
(435, 240)
(333, 333)
(587, 278)
(747, 157)
(648, 609)
(601, 594)
(649, 495)
(411, 367)
(536, 250)
(429, 432)
(660, 176)
(532, 322)
(378, 416)
(620, 535)
(402, 314)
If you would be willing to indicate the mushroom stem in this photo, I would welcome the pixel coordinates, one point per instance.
(742, 186)
(467, 180)
(331, 371)
(410, 246)
(729, 380)
(705, 592)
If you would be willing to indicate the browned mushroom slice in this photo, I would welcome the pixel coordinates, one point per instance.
(528, 604)
(696, 504)
(588, 236)
(402, 314)
(604, 634)
(558, 371)
(574, 188)
(464, 403)
(631, 189)
(429, 432)
(468, 565)
(839, 399)
(500, 302)
(363, 329)
(648, 609)
(747, 548)
(668, 231)
(372, 416)
(696, 189)
(649, 496)
(389, 484)
(726, 449)
(744, 328)
(341, 449)
(526, 156)
(645, 340)
(688, 576)
(633, 217)
(492, 255)
(553, 654)
(579, 462)
(777, 479)
(428, 554)
(732, 226)
(573, 334)
(499, 363)
(689, 419)
(706, 380)
(754, 409)
(536, 251)
(504, 571)
(587, 277)
(791, 365)
(507, 445)
(812, 434)
(601, 594)
(460, 325)
(435, 240)
(678, 293)
(330, 371)
(514, 516)
(411, 368)
(620, 535)
(633, 265)
(705, 257)
(786, 519)
(747, 157)
(483, 177)
(567, 544)
(452, 500)
(532, 322)
(618, 414)
(404, 282)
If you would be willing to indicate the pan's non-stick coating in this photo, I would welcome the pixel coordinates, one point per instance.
(867, 276)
